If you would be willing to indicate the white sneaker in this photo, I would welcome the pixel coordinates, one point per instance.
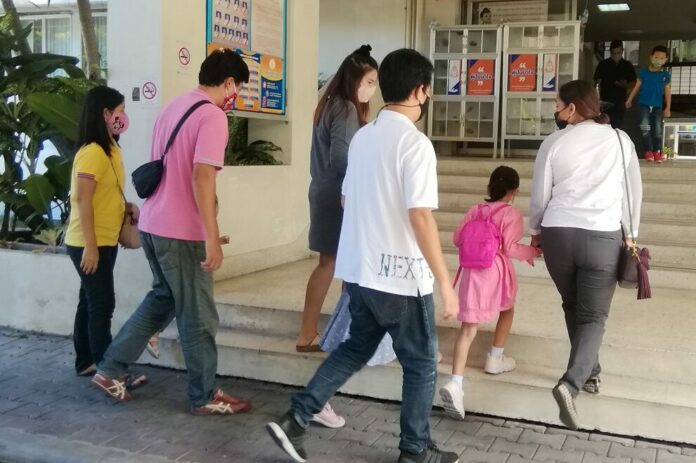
(328, 417)
(452, 397)
(498, 365)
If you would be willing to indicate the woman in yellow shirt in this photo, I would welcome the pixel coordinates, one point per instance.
(97, 210)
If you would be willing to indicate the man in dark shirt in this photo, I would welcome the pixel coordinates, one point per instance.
(614, 76)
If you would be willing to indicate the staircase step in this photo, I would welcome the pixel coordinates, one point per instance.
(662, 191)
(626, 405)
(681, 171)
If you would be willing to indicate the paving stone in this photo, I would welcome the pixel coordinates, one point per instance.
(592, 458)
(477, 456)
(514, 448)
(439, 435)
(549, 440)
(519, 459)
(518, 424)
(625, 441)
(485, 419)
(364, 438)
(382, 426)
(511, 434)
(568, 432)
(655, 445)
(360, 423)
(355, 453)
(387, 440)
(467, 427)
(171, 450)
(559, 456)
(598, 448)
(635, 454)
(461, 440)
(390, 414)
(663, 456)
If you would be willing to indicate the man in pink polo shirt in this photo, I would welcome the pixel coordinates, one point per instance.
(181, 239)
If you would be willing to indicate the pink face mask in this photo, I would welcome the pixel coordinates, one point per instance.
(228, 102)
(118, 122)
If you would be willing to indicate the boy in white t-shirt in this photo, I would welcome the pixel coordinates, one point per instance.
(389, 255)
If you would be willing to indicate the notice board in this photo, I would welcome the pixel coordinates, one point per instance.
(254, 29)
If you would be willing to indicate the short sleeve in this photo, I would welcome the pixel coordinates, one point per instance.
(211, 139)
(641, 74)
(668, 78)
(420, 175)
(91, 162)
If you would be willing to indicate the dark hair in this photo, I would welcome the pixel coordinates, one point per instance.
(92, 128)
(221, 64)
(403, 71)
(484, 11)
(660, 48)
(344, 84)
(582, 94)
(615, 44)
(503, 179)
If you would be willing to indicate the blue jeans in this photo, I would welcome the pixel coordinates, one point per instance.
(411, 323)
(651, 127)
(95, 307)
(180, 286)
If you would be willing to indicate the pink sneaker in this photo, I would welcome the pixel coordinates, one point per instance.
(328, 417)
(649, 156)
(659, 157)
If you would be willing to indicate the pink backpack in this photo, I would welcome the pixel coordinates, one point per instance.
(478, 240)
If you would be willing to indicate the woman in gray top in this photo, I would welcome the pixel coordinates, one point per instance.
(341, 111)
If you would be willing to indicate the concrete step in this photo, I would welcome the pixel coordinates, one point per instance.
(662, 191)
(660, 277)
(651, 211)
(676, 233)
(657, 345)
(649, 408)
(680, 171)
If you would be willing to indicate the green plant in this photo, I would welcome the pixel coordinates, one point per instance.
(36, 106)
(669, 152)
(50, 237)
(241, 153)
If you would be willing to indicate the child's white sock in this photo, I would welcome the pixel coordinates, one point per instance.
(497, 351)
(457, 379)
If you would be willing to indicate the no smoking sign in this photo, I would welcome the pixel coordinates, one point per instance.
(149, 90)
(184, 56)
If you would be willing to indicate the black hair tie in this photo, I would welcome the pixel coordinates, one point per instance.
(364, 50)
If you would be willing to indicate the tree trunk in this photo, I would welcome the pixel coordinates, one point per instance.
(11, 11)
(89, 37)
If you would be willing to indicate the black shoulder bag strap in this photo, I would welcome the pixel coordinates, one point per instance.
(180, 124)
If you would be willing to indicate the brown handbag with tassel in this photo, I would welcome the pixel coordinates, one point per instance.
(634, 262)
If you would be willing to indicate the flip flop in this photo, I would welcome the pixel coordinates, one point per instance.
(153, 348)
(311, 347)
(134, 381)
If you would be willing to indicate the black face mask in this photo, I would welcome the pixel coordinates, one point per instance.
(560, 123)
(423, 108)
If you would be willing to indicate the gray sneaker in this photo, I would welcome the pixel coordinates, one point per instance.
(566, 406)
(429, 455)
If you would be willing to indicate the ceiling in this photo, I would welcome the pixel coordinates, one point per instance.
(647, 20)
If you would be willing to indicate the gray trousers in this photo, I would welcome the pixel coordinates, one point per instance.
(182, 289)
(584, 265)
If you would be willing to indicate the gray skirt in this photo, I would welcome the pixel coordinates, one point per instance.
(325, 218)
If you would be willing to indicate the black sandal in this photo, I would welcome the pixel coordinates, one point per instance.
(592, 385)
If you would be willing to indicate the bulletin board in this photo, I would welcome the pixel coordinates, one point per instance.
(256, 30)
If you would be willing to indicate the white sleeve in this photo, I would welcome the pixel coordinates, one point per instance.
(635, 188)
(542, 184)
(419, 173)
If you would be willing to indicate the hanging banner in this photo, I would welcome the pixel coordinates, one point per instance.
(254, 29)
(480, 77)
(454, 79)
(549, 77)
(522, 73)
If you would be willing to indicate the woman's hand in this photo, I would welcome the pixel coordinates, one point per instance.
(630, 243)
(536, 242)
(90, 260)
(133, 211)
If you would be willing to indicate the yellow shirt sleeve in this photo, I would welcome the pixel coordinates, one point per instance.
(91, 162)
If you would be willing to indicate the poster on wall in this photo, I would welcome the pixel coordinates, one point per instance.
(255, 30)
(480, 77)
(454, 78)
(487, 12)
(549, 76)
(522, 73)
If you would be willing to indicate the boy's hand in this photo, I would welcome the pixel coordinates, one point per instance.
(225, 239)
(450, 300)
(667, 113)
(629, 103)
(213, 255)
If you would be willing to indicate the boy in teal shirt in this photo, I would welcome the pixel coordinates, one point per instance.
(655, 100)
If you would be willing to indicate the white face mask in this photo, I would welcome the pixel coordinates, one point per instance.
(365, 92)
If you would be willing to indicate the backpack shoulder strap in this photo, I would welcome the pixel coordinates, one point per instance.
(180, 124)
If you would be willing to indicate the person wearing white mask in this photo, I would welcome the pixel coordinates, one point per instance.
(615, 76)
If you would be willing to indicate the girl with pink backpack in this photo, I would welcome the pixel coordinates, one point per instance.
(488, 238)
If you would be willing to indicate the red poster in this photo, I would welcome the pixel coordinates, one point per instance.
(480, 79)
(522, 75)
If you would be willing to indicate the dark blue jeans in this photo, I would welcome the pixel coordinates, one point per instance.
(651, 127)
(95, 307)
(411, 323)
(179, 286)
